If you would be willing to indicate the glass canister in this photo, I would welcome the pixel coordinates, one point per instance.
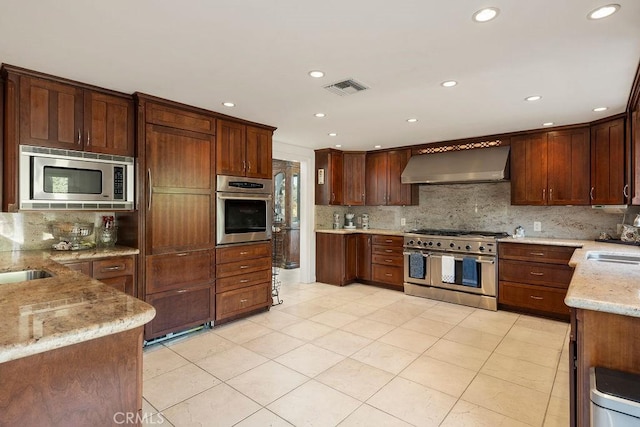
(107, 233)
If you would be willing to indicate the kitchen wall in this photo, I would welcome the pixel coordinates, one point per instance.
(483, 207)
(31, 230)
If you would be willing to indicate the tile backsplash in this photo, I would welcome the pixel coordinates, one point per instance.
(485, 206)
(31, 230)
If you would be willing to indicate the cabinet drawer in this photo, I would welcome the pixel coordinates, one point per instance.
(113, 267)
(533, 297)
(387, 274)
(180, 119)
(379, 239)
(243, 280)
(174, 271)
(122, 283)
(535, 273)
(238, 301)
(83, 267)
(243, 252)
(242, 267)
(391, 259)
(387, 250)
(536, 253)
(180, 309)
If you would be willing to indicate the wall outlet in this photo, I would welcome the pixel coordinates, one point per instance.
(403, 221)
(537, 226)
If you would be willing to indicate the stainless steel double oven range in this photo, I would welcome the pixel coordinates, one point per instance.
(452, 265)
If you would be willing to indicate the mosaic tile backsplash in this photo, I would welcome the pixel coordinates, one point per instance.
(31, 230)
(485, 206)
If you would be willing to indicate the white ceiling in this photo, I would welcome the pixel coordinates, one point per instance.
(257, 53)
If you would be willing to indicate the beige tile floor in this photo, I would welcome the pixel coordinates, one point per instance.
(362, 356)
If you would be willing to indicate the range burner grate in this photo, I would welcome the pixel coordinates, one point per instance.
(458, 233)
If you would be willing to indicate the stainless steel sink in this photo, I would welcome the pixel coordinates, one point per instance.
(21, 276)
(615, 258)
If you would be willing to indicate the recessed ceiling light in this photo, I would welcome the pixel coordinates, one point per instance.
(603, 11)
(412, 120)
(316, 74)
(333, 134)
(449, 83)
(377, 146)
(533, 98)
(319, 115)
(548, 124)
(228, 104)
(598, 109)
(486, 14)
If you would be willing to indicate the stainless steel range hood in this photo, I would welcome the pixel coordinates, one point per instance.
(479, 165)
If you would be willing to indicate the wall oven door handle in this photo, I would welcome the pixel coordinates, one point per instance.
(243, 196)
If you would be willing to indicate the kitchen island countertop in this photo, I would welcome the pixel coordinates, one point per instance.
(45, 314)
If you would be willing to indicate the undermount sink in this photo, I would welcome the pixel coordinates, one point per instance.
(615, 258)
(21, 276)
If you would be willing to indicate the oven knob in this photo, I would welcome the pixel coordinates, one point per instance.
(438, 244)
(411, 242)
(451, 244)
(430, 243)
(420, 242)
(481, 248)
(468, 247)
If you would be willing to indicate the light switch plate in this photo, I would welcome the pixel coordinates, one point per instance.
(537, 226)
(403, 221)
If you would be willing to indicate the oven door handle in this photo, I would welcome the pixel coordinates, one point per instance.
(482, 261)
(409, 253)
(244, 196)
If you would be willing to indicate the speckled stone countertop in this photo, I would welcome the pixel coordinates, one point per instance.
(600, 286)
(95, 253)
(360, 230)
(68, 308)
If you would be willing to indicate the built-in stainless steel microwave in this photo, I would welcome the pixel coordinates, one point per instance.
(51, 178)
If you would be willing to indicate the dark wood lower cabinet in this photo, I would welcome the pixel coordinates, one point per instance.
(93, 383)
(118, 272)
(336, 258)
(180, 309)
(363, 257)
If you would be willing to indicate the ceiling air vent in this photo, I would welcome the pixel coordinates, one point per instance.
(346, 87)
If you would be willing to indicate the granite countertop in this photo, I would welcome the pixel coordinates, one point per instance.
(360, 230)
(68, 308)
(89, 254)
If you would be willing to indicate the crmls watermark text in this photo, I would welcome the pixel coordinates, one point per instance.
(124, 418)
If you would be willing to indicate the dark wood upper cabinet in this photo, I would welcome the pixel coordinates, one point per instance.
(60, 115)
(383, 184)
(568, 167)
(608, 186)
(550, 168)
(180, 190)
(243, 150)
(354, 178)
(329, 175)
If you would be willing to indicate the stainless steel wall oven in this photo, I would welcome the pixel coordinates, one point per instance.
(243, 209)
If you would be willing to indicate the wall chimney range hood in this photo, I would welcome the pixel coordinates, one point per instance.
(478, 165)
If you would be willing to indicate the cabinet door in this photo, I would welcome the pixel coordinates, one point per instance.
(568, 168)
(83, 267)
(363, 254)
(50, 114)
(330, 258)
(607, 163)
(181, 270)
(180, 190)
(124, 284)
(329, 177)
(399, 194)
(376, 172)
(258, 154)
(353, 166)
(108, 124)
(529, 170)
(350, 258)
(179, 309)
(231, 149)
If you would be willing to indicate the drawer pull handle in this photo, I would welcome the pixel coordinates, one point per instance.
(242, 301)
(388, 241)
(183, 254)
(182, 291)
(388, 250)
(535, 273)
(388, 274)
(536, 253)
(388, 260)
(244, 253)
(537, 298)
(114, 268)
(244, 280)
(242, 267)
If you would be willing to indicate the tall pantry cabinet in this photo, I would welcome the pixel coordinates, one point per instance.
(176, 154)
